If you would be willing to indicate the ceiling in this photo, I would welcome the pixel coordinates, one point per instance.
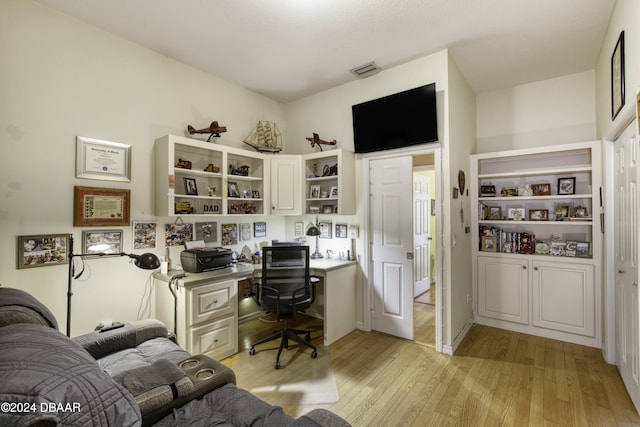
(288, 49)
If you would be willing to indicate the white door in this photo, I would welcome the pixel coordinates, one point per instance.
(286, 198)
(626, 254)
(391, 246)
(421, 234)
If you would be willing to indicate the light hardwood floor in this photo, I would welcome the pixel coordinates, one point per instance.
(496, 378)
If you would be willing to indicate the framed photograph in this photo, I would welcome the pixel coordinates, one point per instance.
(177, 234)
(259, 229)
(541, 189)
(96, 206)
(325, 230)
(245, 231)
(487, 191)
(102, 242)
(229, 234)
(582, 250)
(617, 77)
(580, 212)
(327, 209)
(314, 209)
(341, 231)
(509, 192)
(562, 212)
(314, 192)
(190, 187)
(207, 231)
(104, 160)
(489, 244)
(232, 189)
(333, 192)
(538, 214)
(145, 235)
(299, 228)
(516, 214)
(567, 185)
(42, 250)
(255, 194)
(495, 213)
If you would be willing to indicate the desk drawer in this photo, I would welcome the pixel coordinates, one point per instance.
(216, 340)
(211, 301)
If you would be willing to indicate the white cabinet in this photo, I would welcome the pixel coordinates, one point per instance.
(205, 317)
(537, 241)
(286, 185)
(199, 178)
(329, 182)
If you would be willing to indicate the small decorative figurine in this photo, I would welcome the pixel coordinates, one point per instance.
(315, 140)
(214, 129)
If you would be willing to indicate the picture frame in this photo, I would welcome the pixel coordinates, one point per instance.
(41, 250)
(489, 244)
(255, 194)
(259, 229)
(314, 191)
(617, 77)
(97, 206)
(562, 212)
(538, 214)
(327, 209)
(495, 213)
(516, 214)
(314, 209)
(341, 231)
(566, 185)
(229, 234)
(541, 189)
(107, 242)
(232, 189)
(325, 230)
(190, 187)
(509, 192)
(487, 191)
(102, 160)
(145, 235)
(245, 231)
(299, 228)
(176, 234)
(206, 231)
(333, 192)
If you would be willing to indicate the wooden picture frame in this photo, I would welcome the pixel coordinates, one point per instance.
(541, 189)
(538, 214)
(96, 206)
(617, 77)
(489, 244)
(566, 186)
(107, 242)
(42, 250)
(495, 213)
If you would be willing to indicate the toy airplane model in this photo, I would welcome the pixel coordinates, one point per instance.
(319, 142)
(214, 129)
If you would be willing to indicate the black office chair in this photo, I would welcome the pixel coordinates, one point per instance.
(284, 289)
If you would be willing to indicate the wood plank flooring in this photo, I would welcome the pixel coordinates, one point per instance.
(496, 378)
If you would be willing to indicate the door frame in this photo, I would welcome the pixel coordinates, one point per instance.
(438, 241)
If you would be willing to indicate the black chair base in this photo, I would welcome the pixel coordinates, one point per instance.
(285, 335)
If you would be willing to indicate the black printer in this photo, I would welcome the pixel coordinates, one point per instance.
(197, 260)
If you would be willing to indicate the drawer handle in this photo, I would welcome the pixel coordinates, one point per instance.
(524, 267)
(535, 268)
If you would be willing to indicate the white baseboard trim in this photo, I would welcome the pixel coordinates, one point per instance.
(451, 349)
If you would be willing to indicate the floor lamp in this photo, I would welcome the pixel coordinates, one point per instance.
(313, 230)
(146, 261)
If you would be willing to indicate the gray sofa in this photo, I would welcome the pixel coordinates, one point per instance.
(130, 376)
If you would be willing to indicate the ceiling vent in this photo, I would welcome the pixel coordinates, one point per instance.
(366, 70)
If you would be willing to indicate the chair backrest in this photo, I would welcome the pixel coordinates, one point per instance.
(285, 284)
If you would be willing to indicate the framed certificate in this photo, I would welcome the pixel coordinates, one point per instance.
(104, 160)
(100, 206)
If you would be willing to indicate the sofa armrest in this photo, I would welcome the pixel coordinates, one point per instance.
(323, 418)
(100, 344)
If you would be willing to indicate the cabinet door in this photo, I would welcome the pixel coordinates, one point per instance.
(216, 340)
(286, 197)
(211, 301)
(564, 297)
(503, 289)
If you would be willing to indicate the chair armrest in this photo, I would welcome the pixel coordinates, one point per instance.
(100, 344)
(323, 418)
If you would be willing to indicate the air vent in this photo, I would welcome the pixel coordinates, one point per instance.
(366, 70)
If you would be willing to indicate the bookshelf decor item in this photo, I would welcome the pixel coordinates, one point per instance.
(566, 186)
(541, 189)
(487, 191)
(538, 214)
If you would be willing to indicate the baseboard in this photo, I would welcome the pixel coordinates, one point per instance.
(451, 349)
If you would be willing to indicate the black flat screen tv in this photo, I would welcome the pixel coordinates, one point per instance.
(395, 121)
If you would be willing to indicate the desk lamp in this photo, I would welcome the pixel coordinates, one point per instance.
(146, 261)
(313, 230)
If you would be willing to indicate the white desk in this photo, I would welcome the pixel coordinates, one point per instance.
(206, 314)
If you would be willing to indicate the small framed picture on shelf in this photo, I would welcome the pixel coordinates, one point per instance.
(566, 186)
(255, 194)
(314, 209)
(509, 192)
(333, 192)
(327, 209)
(489, 244)
(487, 191)
(190, 187)
(562, 212)
(580, 212)
(538, 214)
(314, 192)
(541, 189)
(515, 214)
(495, 213)
(232, 189)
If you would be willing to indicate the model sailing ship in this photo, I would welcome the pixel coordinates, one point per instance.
(266, 138)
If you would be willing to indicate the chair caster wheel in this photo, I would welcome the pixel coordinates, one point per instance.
(277, 365)
(314, 354)
(252, 352)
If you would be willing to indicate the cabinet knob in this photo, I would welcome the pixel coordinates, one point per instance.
(635, 284)
(620, 271)
(524, 267)
(215, 301)
(535, 268)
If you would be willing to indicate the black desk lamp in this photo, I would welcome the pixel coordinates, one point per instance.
(313, 230)
(147, 261)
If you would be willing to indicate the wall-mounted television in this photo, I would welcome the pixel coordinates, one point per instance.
(395, 121)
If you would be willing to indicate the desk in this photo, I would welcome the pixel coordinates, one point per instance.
(206, 319)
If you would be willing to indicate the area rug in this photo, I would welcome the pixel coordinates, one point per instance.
(300, 380)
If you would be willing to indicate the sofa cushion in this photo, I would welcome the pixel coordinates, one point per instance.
(17, 306)
(54, 380)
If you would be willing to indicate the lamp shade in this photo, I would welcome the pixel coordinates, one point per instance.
(313, 231)
(146, 261)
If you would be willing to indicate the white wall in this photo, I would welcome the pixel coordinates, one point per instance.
(62, 78)
(549, 112)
